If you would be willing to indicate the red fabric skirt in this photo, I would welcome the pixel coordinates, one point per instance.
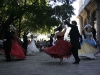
(61, 49)
(17, 51)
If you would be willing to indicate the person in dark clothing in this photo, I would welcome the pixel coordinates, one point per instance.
(8, 36)
(51, 39)
(25, 42)
(74, 40)
(94, 33)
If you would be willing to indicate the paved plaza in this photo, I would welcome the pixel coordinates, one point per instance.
(43, 64)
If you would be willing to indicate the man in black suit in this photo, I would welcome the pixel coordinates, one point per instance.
(7, 43)
(25, 42)
(74, 40)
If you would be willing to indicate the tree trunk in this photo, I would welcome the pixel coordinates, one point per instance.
(19, 26)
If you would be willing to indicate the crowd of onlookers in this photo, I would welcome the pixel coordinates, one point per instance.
(41, 44)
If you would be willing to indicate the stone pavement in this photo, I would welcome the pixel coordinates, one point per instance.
(43, 64)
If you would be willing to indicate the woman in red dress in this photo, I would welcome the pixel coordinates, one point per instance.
(16, 50)
(61, 48)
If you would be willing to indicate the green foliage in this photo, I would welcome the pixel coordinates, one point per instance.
(64, 11)
(33, 15)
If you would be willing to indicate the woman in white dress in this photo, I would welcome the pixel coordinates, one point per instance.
(88, 46)
(31, 48)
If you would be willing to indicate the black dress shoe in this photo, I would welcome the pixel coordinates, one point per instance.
(61, 60)
(8, 60)
(76, 63)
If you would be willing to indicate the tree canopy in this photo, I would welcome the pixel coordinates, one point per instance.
(34, 15)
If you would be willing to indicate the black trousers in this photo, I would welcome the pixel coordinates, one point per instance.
(24, 45)
(75, 54)
(7, 48)
(8, 57)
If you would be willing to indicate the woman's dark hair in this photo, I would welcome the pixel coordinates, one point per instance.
(83, 32)
(12, 34)
(59, 28)
(86, 29)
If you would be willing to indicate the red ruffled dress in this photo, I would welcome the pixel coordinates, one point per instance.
(16, 50)
(61, 48)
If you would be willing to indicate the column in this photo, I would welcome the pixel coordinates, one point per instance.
(84, 21)
(92, 18)
(98, 20)
(81, 23)
(88, 15)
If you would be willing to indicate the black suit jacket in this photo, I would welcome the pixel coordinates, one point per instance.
(94, 33)
(25, 39)
(74, 35)
(25, 42)
(8, 36)
(51, 40)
